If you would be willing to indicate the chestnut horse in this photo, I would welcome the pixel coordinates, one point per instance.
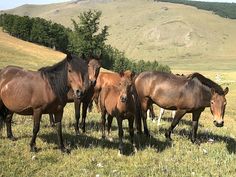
(41, 92)
(104, 79)
(119, 101)
(190, 94)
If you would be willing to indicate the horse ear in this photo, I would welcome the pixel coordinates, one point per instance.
(132, 74)
(226, 90)
(213, 91)
(121, 74)
(68, 57)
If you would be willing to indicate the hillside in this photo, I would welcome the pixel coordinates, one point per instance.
(31, 56)
(181, 36)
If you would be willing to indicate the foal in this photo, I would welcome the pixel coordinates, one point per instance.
(119, 101)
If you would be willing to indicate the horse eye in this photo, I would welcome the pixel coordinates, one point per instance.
(70, 70)
(212, 102)
(225, 103)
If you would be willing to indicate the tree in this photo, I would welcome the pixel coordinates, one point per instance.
(86, 38)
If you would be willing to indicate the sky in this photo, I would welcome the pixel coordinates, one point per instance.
(9, 4)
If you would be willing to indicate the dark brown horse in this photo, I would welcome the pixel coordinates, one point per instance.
(93, 71)
(119, 101)
(190, 94)
(41, 92)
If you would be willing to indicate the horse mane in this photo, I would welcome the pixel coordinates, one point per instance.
(57, 77)
(207, 82)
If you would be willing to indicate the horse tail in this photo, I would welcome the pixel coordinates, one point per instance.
(138, 109)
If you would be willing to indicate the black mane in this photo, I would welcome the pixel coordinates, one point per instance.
(57, 77)
(207, 82)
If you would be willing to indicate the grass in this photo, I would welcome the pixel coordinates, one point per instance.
(92, 156)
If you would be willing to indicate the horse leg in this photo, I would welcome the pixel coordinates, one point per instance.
(121, 133)
(146, 131)
(9, 128)
(151, 112)
(84, 115)
(77, 104)
(58, 118)
(109, 123)
(195, 118)
(37, 114)
(103, 123)
(179, 114)
(52, 120)
(160, 116)
(131, 132)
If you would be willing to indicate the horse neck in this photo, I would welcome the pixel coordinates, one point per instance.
(206, 96)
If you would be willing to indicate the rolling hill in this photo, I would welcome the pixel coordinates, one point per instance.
(14, 51)
(181, 36)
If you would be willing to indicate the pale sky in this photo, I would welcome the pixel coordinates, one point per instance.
(9, 4)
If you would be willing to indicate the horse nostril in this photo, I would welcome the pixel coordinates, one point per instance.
(123, 99)
(218, 124)
(93, 82)
(78, 93)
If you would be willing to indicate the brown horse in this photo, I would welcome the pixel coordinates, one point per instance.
(190, 94)
(41, 92)
(119, 101)
(104, 79)
(94, 66)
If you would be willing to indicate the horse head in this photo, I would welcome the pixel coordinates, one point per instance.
(77, 72)
(217, 106)
(94, 66)
(125, 85)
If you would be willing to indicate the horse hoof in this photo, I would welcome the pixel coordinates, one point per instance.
(167, 135)
(135, 149)
(110, 139)
(65, 151)
(120, 153)
(34, 149)
(194, 141)
(12, 138)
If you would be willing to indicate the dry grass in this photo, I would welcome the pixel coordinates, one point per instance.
(17, 52)
(181, 36)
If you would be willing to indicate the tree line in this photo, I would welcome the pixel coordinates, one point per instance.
(226, 10)
(86, 38)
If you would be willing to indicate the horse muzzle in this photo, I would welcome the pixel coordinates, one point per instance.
(218, 124)
(123, 99)
(93, 82)
(78, 94)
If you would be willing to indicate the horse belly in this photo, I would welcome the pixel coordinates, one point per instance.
(15, 97)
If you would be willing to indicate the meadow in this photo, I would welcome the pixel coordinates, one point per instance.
(169, 33)
(93, 156)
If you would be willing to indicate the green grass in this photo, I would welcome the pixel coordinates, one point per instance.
(91, 156)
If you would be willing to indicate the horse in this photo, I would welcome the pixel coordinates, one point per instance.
(190, 94)
(104, 79)
(94, 66)
(119, 101)
(40, 92)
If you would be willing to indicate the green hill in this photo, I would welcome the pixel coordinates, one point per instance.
(181, 36)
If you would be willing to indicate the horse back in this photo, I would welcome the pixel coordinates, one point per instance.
(22, 90)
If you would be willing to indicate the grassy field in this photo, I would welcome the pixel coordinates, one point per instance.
(92, 156)
(183, 37)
